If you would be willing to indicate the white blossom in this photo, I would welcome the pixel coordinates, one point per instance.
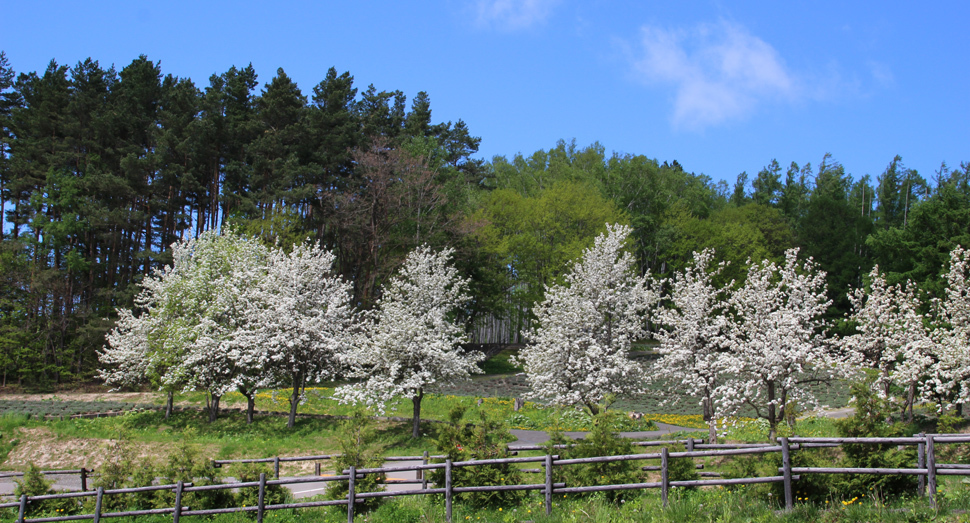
(691, 331)
(892, 336)
(578, 353)
(296, 322)
(189, 312)
(950, 376)
(411, 341)
(776, 341)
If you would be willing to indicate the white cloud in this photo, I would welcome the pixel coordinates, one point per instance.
(720, 72)
(513, 14)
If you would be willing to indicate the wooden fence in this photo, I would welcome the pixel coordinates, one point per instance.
(927, 468)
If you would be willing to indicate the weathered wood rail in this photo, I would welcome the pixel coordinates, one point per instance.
(926, 468)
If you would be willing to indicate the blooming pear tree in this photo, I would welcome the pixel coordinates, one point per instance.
(950, 375)
(691, 331)
(892, 336)
(411, 342)
(295, 322)
(578, 353)
(776, 343)
(190, 312)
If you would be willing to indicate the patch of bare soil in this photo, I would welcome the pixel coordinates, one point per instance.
(44, 449)
(139, 397)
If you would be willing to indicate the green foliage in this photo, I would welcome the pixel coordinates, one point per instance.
(681, 469)
(872, 418)
(249, 496)
(600, 441)
(357, 450)
(398, 513)
(33, 484)
(188, 465)
(121, 470)
(484, 440)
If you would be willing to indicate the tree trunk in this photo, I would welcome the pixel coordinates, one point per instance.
(416, 421)
(294, 401)
(772, 418)
(214, 408)
(910, 399)
(169, 404)
(711, 421)
(250, 396)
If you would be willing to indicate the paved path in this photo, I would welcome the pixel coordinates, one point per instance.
(537, 437)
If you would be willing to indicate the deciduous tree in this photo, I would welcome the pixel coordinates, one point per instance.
(411, 342)
(578, 352)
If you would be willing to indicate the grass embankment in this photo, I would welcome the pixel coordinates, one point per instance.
(708, 505)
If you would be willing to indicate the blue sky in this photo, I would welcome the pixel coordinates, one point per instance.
(721, 87)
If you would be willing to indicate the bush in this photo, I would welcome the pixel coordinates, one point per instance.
(600, 441)
(485, 440)
(119, 471)
(188, 465)
(871, 420)
(249, 496)
(33, 484)
(682, 469)
(355, 441)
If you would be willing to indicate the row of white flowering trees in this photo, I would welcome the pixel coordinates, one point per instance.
(920, 348)
(231, 314)
(760, 343)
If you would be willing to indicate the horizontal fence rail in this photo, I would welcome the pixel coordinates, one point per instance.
(926, 469)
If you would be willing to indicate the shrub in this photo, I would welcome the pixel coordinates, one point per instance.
(355, 441)
(681, 469)
(871, 420)
(33, 484)
(485, 440)
(188, 465)
(600, 441)
(249, 496)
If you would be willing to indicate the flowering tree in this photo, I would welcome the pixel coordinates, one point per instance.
(578, 351)
(411, 341)
(950, 376)
(190, 311)
(776, 341)
(295, 322)
(692, 334)
(892, 336)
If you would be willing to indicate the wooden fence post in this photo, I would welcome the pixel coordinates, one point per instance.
(664, 475)
(23, 508)
(786, 471)
(448, 491)
(921, 463)
(177, 513)
(84, 478)
(690, 444)
(548, 484)
(261, 498)
(931, 470)
(422, 474)
(97, 505)
(276, 467)
(351, 495)
(316, 468)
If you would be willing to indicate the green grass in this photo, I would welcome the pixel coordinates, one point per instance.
(501, 363)
(705, 505)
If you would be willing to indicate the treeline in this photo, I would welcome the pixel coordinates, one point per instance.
(102, 170)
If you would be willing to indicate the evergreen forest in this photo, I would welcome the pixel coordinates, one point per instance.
(102, 170)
